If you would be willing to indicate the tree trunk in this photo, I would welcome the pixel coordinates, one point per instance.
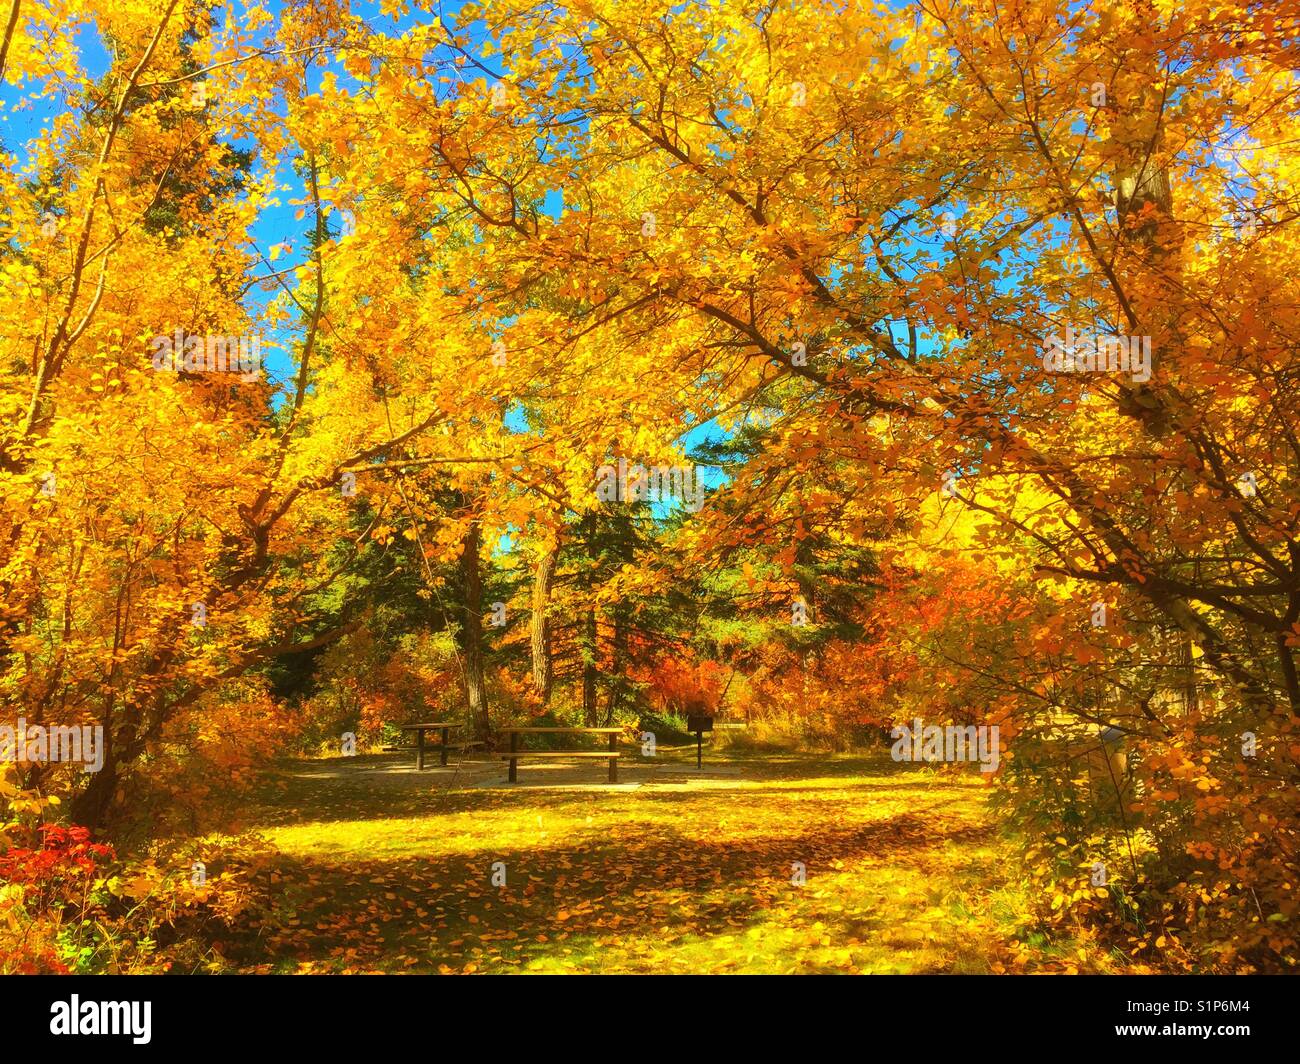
(1187, 673)
(541, 625)
(589, 669)
(90, 807)
(471, 632)
(618, 655)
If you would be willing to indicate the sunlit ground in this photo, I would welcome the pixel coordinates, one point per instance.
(666, 872)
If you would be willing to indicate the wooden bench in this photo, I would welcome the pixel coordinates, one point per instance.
(514, 755)
(445, 728)
(408, 748)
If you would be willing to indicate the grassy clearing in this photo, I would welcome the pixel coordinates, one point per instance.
(905, 872)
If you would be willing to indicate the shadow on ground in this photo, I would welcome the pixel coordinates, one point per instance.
(410, 874)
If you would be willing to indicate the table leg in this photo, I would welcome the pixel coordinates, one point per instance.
(613, 761)
(419, 748)
(514, 761)
(445, 732)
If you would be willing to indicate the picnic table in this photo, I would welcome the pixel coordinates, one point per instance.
(514, 754)
(440, 726)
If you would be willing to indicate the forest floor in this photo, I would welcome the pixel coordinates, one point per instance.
(668, 871)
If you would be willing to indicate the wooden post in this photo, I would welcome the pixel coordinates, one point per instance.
(613, 761)
(419, 748)
(445, 733)
(699, 750)
(514, 762)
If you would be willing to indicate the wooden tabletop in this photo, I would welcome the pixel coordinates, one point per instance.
(586, 731)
